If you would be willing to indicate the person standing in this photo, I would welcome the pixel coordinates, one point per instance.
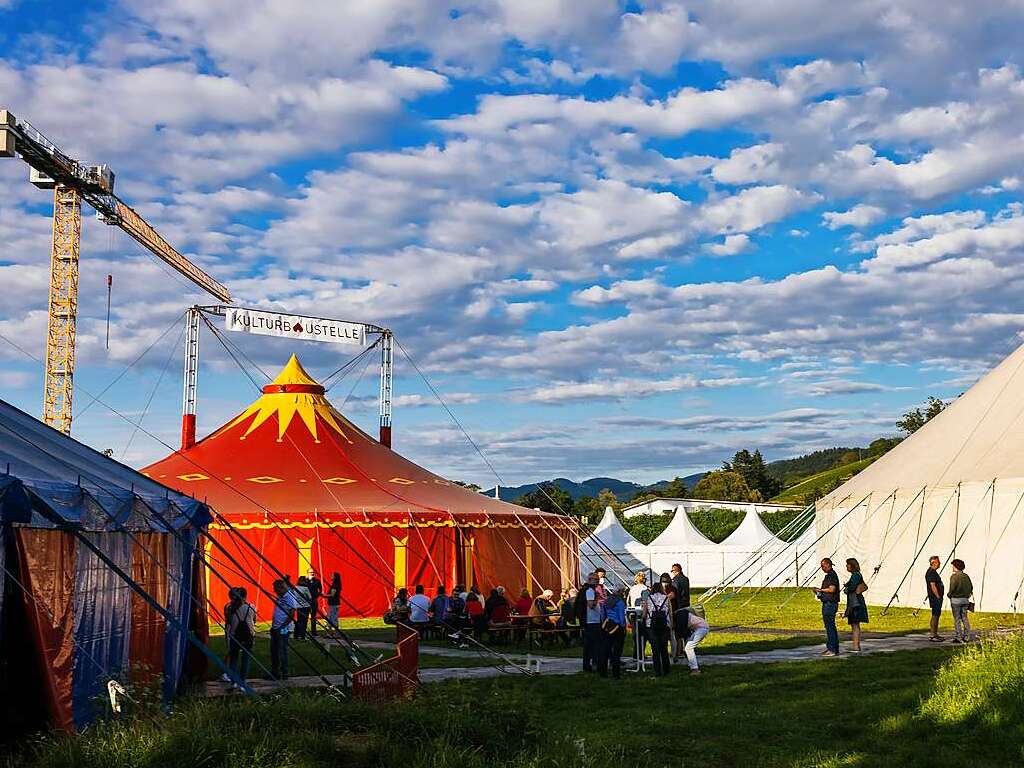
(613, 633)
(960, 592)
(681, 584)
(281, 624)
(637, 595)
(936, 592)
(828, 594)
(316, 588)
(696, 630)
(241, 631)
(602, 583)
(681, 588)
(302, 607)
(592, 628)
(334, 600)
(658, 620)
(675, 640)
(856, 607)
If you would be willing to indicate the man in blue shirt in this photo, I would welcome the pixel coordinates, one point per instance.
(613, 631)
(281, 625)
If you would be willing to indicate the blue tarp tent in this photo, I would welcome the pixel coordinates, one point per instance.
(88, 548)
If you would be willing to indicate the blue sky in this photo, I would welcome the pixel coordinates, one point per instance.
(620, 238)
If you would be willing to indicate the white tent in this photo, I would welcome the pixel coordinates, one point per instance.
(681, 542)
(955, 488)
(611, 546)
(754, 551)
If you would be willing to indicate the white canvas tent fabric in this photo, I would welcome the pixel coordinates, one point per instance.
(955, 488)
(702, 559)
(752, 556)
(611, 546)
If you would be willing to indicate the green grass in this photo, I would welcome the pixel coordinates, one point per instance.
(306, 658)
(803, 612)
(815, 486)
(931, 708)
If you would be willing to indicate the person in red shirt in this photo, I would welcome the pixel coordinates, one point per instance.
(475, 617)
(524, 603)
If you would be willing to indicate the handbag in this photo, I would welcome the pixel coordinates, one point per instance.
(970, 607)
(390, 618)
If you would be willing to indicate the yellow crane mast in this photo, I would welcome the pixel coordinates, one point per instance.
(73, 182)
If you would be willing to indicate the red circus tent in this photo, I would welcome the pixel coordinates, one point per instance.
(311, 491)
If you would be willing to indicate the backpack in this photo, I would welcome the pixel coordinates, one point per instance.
(243, 634)
(659, 616)
(579, 606)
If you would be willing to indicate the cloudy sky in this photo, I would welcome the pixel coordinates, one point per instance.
(619, 238)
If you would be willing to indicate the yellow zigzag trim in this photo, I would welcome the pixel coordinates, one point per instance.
(287, 405)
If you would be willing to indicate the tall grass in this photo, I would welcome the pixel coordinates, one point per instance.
(982, 686)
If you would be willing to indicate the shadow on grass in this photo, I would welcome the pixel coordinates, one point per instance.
(861, 712)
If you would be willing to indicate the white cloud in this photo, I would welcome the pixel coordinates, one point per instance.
(617, 389)
(858, 217)
(752, 208)
(732, 245)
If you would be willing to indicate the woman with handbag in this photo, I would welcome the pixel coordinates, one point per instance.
(856, 607)
(959, 594)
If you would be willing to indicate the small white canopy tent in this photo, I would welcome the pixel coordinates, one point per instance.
(611, 546)
(754, 551)
(955, 488)
(702, 560)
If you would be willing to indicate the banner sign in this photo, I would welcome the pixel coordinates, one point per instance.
(293, 326)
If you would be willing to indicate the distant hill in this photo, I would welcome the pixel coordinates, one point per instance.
(814, 487)
(788, 470)
(802, 477)
(623, 489)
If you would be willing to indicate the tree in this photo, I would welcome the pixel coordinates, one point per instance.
(915, 419)
(676, 489)
(754, 471)
(723, 485)
(883, 445)
(641, 496)
(588, 507)
(549, 498)
(605, 498)
(468, 486)
(646, 528)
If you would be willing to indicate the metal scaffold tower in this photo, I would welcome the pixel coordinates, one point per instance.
(63, 308)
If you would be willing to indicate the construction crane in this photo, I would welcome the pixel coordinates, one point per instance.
(72, 182)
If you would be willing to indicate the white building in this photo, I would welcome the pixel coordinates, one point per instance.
(667, 506)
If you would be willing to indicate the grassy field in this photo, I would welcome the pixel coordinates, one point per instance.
(930, 708)
(810, 488)
(782, 609)
(741, 623)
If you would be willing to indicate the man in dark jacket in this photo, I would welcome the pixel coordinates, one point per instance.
(681, 585)
(316, 588)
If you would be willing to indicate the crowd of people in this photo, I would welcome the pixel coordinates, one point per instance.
(596, 615)
(961, 592)
(297, 610)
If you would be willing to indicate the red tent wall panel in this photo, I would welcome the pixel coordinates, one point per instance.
(146, 647)
(47, 565)
(431, 558)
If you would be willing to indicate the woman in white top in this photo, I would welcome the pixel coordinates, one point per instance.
(634, 612)
(698, 630)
